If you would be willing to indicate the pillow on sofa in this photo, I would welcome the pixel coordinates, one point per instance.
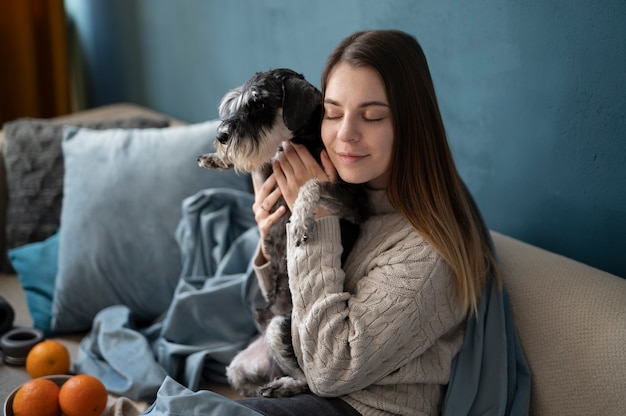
(34, 173)
(36, 267)
(123, 192)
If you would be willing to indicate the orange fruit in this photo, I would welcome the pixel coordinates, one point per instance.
(83, 395)
(37, 397)
(48, 358)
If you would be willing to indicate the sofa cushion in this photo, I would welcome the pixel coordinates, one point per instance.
(34, 173)
(36, 267)
(123, 192)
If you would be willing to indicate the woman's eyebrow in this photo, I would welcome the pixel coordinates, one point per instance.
(373, 104)
(361, 105)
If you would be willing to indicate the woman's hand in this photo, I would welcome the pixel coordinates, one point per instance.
(292, 169)
(295, 166)
(266, 194)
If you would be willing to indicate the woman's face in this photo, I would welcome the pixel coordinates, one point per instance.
(357, 128)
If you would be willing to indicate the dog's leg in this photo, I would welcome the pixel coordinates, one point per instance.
(278, 339)
(286, 386)
(303, 213)
(250, 368)
(334, 198)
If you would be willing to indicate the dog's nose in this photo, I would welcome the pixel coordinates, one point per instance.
(222, 137)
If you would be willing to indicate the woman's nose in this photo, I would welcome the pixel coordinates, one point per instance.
(348, 130)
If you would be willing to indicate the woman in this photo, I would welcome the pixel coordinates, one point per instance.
(381, 332)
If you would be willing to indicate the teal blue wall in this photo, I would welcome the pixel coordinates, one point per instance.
(533, 92)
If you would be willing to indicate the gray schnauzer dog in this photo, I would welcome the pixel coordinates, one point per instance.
(272, 107)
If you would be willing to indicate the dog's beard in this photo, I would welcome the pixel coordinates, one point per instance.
(249, 151)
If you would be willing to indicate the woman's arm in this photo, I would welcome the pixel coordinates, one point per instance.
(403, 303)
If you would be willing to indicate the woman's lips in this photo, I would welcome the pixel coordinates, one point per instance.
(350, 158)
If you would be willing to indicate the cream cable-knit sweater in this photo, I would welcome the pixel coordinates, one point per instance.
(382, 332)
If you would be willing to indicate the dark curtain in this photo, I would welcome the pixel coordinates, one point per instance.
(34, 68)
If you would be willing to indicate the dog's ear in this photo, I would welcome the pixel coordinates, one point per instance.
(300, 100)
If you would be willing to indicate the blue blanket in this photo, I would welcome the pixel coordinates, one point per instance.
(211, 314)
(211, 318)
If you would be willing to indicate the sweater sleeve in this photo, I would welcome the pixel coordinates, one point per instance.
(263, 271)
(348, 340)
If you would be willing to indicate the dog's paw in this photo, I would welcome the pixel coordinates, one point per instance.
(301, 231)
(212, 161)
(301, 224)
(284, 387)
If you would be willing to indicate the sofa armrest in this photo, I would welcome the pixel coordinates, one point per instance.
(571, 319)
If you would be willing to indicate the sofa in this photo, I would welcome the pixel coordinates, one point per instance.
(570, 317)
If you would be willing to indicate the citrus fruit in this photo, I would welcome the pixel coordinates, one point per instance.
(37, 397)
(48, 358)
(83, 395)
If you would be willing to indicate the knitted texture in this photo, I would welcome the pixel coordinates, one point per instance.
(381, 332)
(35, 171)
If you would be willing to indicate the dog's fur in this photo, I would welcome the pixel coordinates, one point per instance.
(270, 108)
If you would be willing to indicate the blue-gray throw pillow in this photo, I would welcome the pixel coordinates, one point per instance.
(123, 191)
(36, 267)
(34, 173)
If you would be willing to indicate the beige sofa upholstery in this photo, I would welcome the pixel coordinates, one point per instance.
(571, 320)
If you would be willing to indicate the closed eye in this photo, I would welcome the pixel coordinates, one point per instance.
(332, 114)
(375, 114)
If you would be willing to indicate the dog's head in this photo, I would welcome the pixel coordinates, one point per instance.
(256, 117)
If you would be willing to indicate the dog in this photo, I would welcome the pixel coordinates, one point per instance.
(272, 107)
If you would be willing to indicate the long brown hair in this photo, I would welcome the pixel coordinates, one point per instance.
(424, 185)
